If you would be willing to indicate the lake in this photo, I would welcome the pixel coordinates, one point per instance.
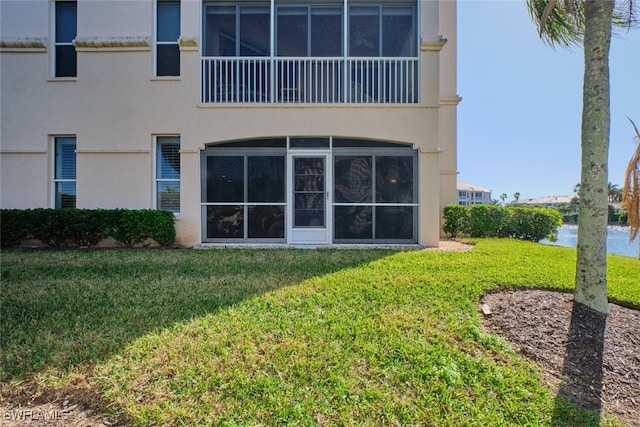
(617, 239)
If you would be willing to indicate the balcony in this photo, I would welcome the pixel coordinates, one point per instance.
(309, 80)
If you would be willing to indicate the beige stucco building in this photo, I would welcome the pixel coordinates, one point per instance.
(280, 122)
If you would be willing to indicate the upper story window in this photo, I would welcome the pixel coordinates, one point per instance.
(309, 31)
(382, 30)
(167, 35)
(65, 172)
(237, 30)
(66, 22)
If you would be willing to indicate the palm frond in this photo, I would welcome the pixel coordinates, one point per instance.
(626, 14)
(631, 189)
(560, 22)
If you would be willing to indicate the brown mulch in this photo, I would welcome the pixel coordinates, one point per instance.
(539, 325)
(76, 405)
(450, 245)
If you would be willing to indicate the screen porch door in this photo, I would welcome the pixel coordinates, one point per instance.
(309, 210)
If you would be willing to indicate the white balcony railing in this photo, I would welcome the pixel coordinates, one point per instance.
(309, 80)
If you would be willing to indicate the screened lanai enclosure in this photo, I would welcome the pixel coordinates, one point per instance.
(325, 52)
(309, 190)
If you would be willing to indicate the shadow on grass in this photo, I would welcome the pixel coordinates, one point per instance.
(582, 373)
(64, 309)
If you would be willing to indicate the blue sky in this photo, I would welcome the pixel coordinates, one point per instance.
(519, 120)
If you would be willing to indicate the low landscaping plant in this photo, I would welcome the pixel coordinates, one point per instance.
(489, 221)
(534, 224)
(525, 223)
(456, 220)
(85, 227)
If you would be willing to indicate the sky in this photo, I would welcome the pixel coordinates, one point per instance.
(519, 119)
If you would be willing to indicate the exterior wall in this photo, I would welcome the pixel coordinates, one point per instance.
(116, 106)
(449, 101)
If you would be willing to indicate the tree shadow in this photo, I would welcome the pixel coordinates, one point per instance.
(582, 372)
(63, 309)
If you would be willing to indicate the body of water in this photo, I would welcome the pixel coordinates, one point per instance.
(617, 240)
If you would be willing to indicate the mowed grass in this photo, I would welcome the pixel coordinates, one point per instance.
(325, 337)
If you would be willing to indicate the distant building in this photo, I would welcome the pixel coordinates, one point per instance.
(547, 201)
(470, 194)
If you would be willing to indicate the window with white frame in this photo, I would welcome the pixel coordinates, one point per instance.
(65, 172)
(167, 35)
(66, 22)
(168, 173)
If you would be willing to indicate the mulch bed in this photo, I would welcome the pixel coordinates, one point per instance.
(75, 405)
(544, 327)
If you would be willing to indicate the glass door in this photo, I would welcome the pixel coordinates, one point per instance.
(310, 199)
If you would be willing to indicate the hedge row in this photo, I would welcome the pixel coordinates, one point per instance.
(519, 222)
(85, 227)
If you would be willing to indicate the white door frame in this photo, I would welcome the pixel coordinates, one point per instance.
(310, 235)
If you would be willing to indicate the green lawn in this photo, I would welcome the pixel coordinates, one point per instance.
(325, 337)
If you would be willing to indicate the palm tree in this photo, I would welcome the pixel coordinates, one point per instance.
(564, 23)
(615, 193)
(503, 197)
(516, 196)
(631, 189)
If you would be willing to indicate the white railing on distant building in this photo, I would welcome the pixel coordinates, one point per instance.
(309, 80)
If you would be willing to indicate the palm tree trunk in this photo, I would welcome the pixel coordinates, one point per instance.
(591, 265)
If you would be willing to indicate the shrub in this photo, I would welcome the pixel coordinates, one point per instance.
(86, 227)
(534, 224)
(12, 227)
(133, 226)
(623, 217)
(456, 220)
(488, 221)
(524, 223)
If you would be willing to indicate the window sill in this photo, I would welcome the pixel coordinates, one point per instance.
(62, 79)
(166, 79)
